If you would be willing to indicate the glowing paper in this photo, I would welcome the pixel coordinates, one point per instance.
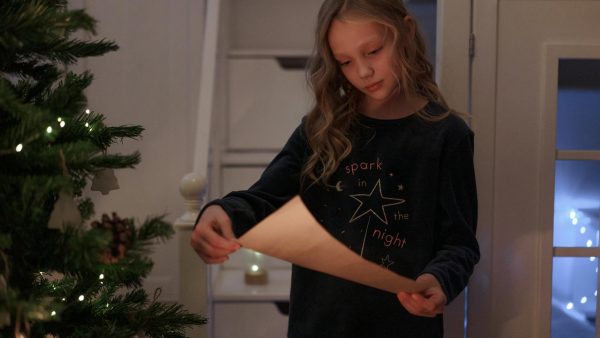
(292, 233)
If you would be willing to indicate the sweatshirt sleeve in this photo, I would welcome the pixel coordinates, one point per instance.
(278, 183)
(457, 250)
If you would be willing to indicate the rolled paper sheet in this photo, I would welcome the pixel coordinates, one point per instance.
(293, 234)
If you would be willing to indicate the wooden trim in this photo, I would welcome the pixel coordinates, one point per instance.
(575, 252)
(480, 311)
(580, 155)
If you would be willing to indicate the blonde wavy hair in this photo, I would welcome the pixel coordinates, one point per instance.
(328, 123)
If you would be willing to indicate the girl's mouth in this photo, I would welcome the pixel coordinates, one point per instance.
(374, 86)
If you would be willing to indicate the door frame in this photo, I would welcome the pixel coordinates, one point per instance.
(483, 95)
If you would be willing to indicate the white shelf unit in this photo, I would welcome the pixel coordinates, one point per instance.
(257, 104)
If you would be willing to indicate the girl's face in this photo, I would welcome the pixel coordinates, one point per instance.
(365, 54)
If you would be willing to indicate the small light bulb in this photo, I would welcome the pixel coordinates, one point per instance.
(254, 267)
(592, 259)
(583, 300)
(87, 111)
(596, 293)
(19, 147)
(572, 214)
(81, 298)
(49, 129)
(574, 221)
(106, 304)
(59, 119)
(588, 243)
(91, 129)
(62, 124)
(582, 230)
(101, 276)
(53, 313)
(570, 306)
(63, 299)
(87, 124)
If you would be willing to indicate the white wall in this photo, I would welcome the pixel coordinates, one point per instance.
(152, 81)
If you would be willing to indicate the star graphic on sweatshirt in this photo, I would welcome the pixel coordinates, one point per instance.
(387, 262)
(374, 203)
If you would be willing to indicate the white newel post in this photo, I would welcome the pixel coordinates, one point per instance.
(193, 291)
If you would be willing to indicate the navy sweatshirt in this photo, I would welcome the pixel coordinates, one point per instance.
(405, 198)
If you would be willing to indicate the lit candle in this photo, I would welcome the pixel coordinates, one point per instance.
(255, 270)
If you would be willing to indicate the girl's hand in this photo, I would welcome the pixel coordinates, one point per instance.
(429, 302)
(213, 238)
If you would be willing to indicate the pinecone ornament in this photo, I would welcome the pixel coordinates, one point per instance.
(122, 230)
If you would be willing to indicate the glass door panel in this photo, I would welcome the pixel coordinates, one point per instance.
(576, 200)
(574, 295)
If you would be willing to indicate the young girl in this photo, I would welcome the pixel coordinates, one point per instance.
(383, 164)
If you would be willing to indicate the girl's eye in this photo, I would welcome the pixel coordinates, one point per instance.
(345, 63)
(374, 51)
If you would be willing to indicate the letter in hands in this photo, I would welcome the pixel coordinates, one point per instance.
(213, 238)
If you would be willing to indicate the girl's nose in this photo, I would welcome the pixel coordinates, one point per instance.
(364, 70)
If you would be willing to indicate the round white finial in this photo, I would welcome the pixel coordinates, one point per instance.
(193, 187)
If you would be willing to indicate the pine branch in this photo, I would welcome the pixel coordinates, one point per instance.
(39, 31)
(167, 320)
(67, 99)
(19, 122)
(155, 228)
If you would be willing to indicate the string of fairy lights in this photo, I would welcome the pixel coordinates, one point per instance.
(49, 130)
(80, 298)
(62, 123)
(575, 220)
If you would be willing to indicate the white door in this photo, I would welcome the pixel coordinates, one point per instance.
(536, 99)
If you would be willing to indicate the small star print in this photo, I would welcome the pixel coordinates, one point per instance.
(387, 262)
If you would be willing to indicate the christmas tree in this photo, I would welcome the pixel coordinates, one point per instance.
(62, 273)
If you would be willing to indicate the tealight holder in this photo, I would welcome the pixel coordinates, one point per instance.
(255, 271)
